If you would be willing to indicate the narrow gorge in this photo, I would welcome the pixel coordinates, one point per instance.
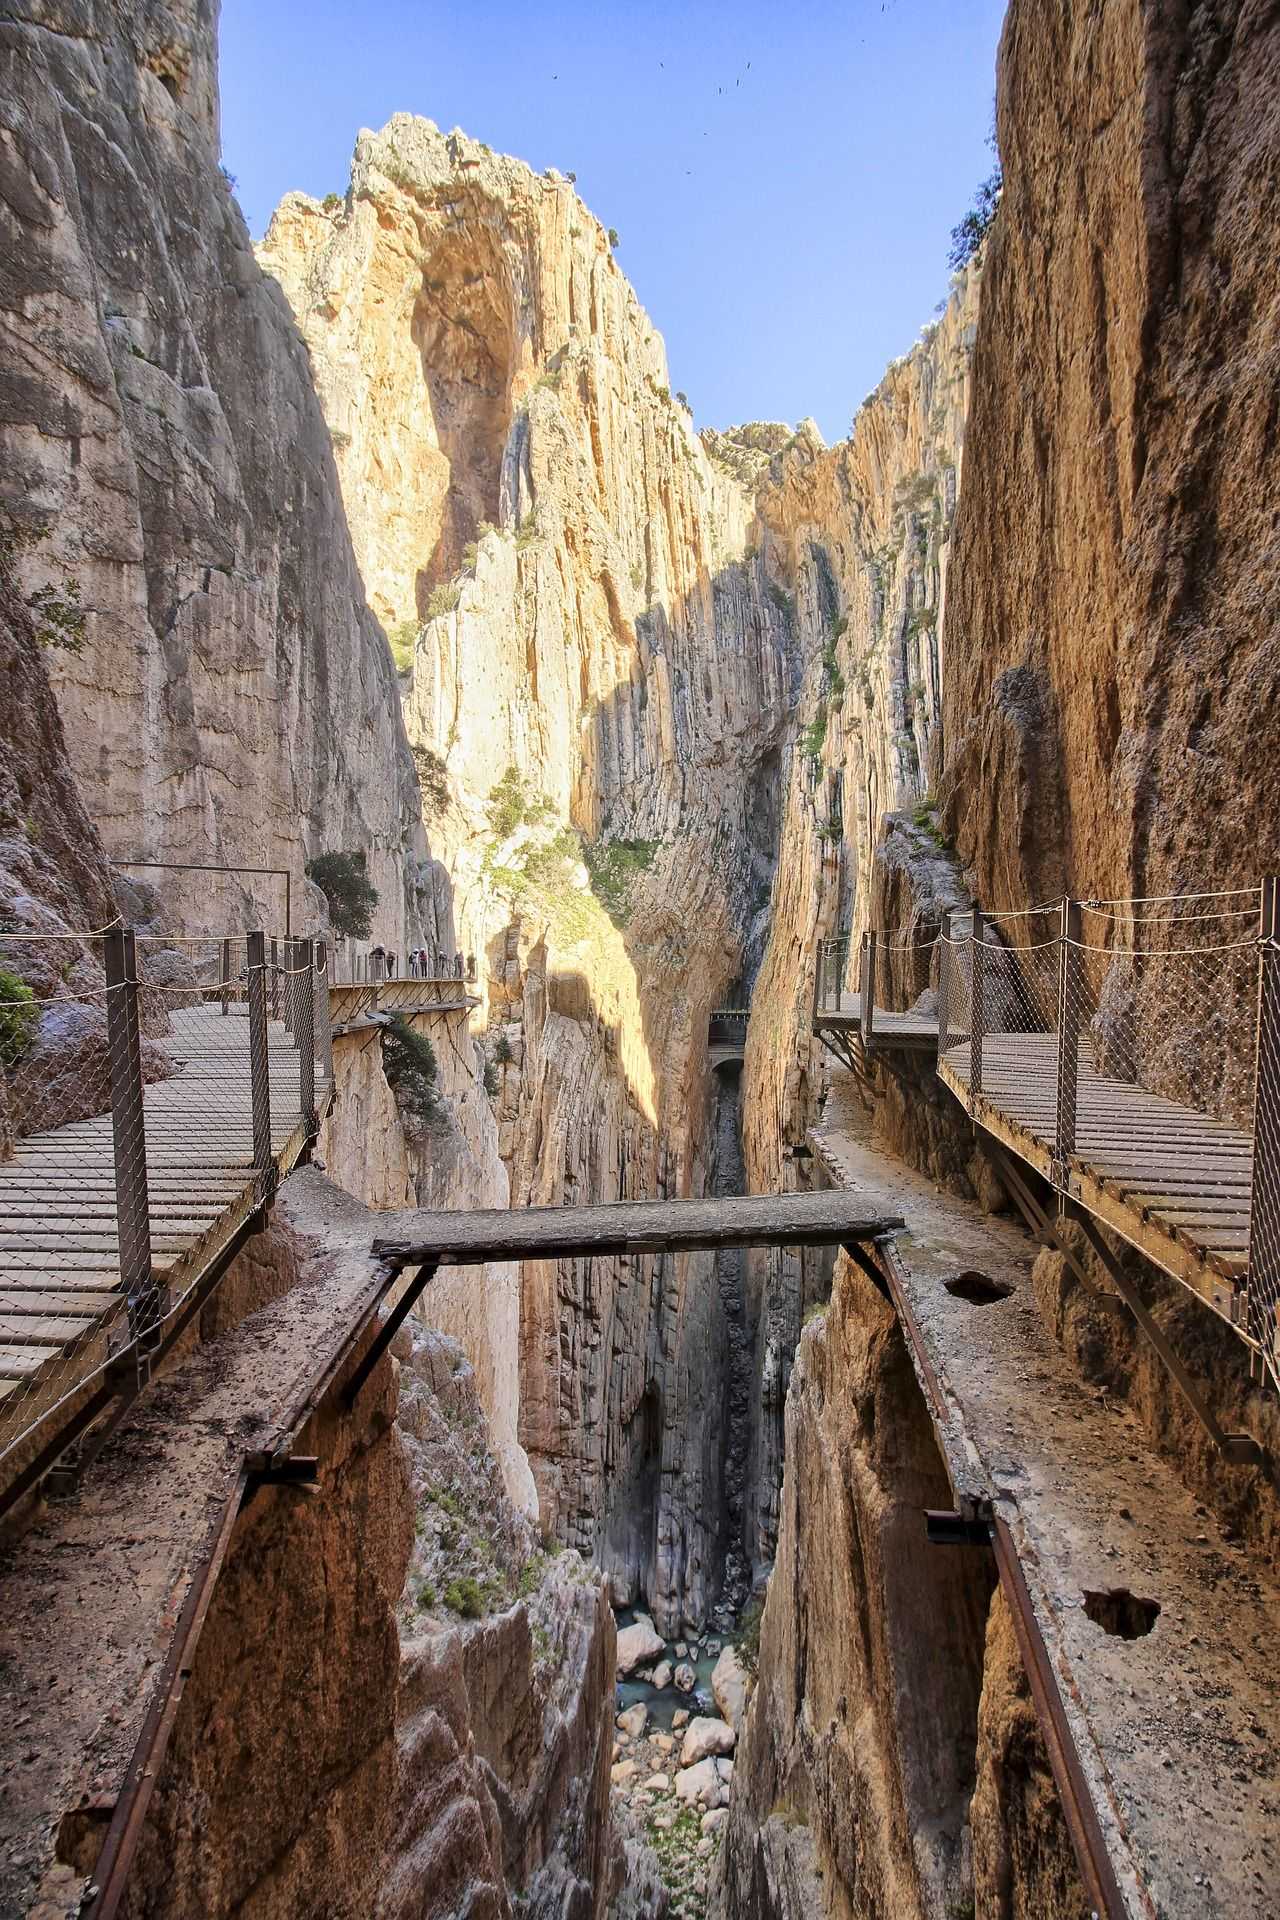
(717, 1580)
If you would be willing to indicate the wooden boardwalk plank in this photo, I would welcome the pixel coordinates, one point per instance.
(1174, 1182)
(59, 1272)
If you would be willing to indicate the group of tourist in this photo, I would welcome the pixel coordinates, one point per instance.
(423, 963)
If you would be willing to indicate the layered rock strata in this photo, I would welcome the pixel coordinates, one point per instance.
(599, 667)
(234, 701)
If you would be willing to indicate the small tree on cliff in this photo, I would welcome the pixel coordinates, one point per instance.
(968, 234)
(351, 895)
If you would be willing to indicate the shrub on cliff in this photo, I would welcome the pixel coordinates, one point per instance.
(351, 895)
(409, 1065)
(968, 234)
(443, 599)
(613, 867)
(19, 1017)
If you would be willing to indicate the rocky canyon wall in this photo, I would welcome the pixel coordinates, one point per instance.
(234, 700)
(400, 1704)
(1111, 691)
(599, 666)
(862, 534)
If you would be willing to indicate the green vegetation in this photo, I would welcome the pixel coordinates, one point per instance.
(968, 234)
(402, 639)
(19, 1017)
(782, 600)
(347, 888)
(332, 202)
(510, 806)
(813, 737)
(531, 1575)
(748, 1641)
(830, 830)
(637, 575)
(443, 598)
(502, 1049)
(466, 1597)
(59, 616)
(492, 1080)
(526, 532)
(433, 781)
(613, 236)
(409, 1064)
(426, 1597)
(923, 620)
(613, 867)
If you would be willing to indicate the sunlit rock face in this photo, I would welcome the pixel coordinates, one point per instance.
(234, 701)
(600, 668)
(861, 534)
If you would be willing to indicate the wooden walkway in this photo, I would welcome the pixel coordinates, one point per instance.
(353, 1004)
(1173, 1182)
(901, 1032)
(62, 1312)
(634, 1226)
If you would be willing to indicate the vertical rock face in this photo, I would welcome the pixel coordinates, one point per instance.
(600, 667)
(235, 700)
(862, 534)
(854, 1772)
(1111, 638)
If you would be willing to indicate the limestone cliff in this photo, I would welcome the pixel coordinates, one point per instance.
(1111, 693)
(861, 532)
(234, 701)
(599, 667)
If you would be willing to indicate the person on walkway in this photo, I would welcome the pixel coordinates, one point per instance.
(377, 955)
(471, 966)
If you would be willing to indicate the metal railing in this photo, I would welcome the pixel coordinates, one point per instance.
(151, 1090)
(1064, 1016)
(832, 971)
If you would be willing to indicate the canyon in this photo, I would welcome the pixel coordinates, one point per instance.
(392, 537)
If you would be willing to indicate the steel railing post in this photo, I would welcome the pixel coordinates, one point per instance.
(306, 1033)
(290, 982)
(1070, 974)
(260, 1066)
(868, 986)
(977, 1005)
(226, 974)
(1264, 1202)
(944, 983)
(128, 1132)
(275, 978)
(324, 1028)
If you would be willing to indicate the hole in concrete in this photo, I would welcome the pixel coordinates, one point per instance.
(1122, 1613)
(979, 1289)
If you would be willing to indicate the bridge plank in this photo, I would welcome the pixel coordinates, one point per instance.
(642, 1226)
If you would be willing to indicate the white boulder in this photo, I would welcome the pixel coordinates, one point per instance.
(634, 1720)
(685, 1677)
(705, 1738)
(639, 1645)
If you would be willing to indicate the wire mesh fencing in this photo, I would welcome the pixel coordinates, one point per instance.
(151, 1089)
(830, 985)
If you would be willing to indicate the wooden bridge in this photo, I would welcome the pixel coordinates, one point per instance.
(1116, 1049)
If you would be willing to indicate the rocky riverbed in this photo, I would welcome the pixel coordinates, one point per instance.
(680, 1707)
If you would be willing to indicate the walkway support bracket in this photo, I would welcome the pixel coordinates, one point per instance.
(1239, 1449)
(388, 1330)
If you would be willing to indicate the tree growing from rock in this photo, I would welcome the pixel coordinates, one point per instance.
(351, 895)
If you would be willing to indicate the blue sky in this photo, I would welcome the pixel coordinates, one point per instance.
(785, 223)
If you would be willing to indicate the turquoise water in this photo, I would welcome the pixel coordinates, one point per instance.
(665, 1701)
